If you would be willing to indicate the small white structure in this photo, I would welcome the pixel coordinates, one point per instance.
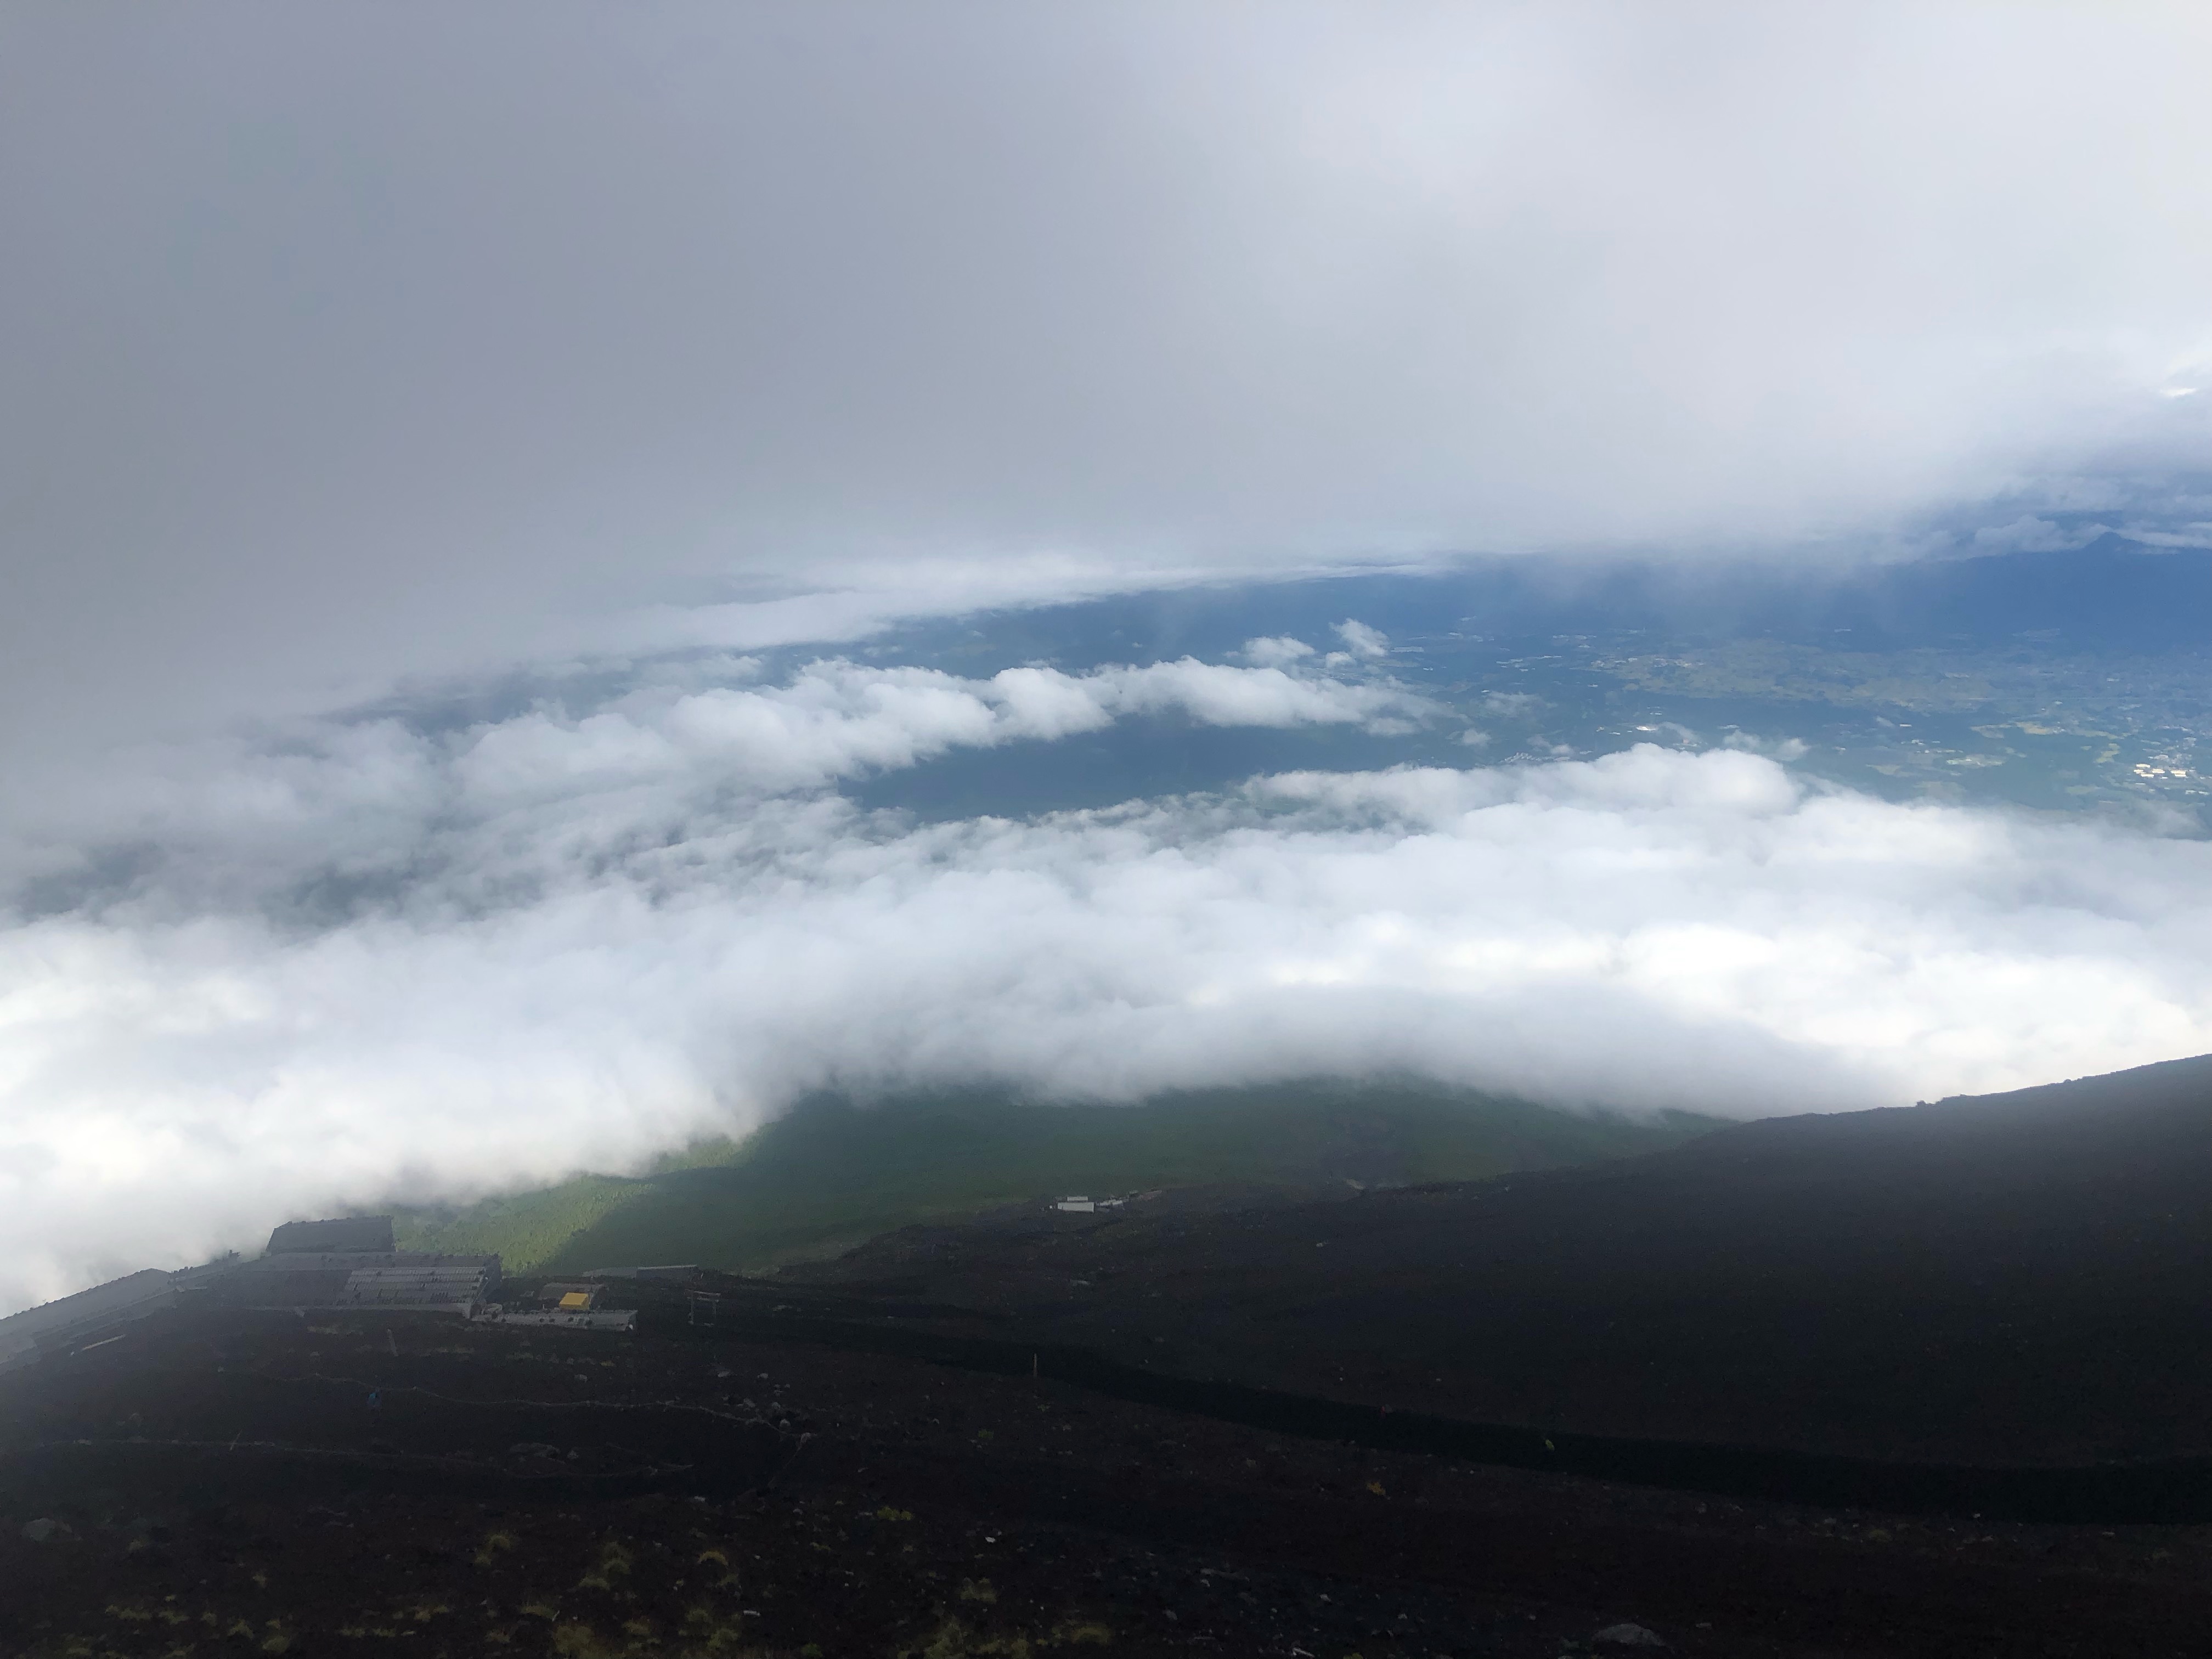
(567, 1304)
(1078, 1204)
(577, 1319)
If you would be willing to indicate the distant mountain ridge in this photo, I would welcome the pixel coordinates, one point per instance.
(2111, 594)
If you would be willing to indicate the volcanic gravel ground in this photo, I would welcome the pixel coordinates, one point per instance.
(2007, 1281)
(225, 1487)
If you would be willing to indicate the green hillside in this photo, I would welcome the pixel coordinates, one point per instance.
(831, 1174)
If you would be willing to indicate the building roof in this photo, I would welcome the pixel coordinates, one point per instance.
(331, 1279)
(353, 1233)
(142, 1292)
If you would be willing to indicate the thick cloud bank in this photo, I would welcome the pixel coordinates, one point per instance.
(378, 959)
(347, 340)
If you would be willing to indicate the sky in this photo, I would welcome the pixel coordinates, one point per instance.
(362, 348)
(362, 339)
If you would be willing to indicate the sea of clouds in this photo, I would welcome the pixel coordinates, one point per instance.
(382, 956)
(345, 347)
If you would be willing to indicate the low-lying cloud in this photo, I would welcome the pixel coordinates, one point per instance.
(378, 960)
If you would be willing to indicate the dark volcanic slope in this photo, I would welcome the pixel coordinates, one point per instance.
(862, 1462)
(357, 1484)
(2016, 1279)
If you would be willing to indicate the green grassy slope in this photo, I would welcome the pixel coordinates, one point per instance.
(830, 1174)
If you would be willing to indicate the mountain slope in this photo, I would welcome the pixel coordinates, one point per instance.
(832, 1174)
(2015, 1279)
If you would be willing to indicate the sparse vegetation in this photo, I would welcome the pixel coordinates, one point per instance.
(833, 1173)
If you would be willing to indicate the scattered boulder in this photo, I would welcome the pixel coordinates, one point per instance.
(1628, 1635)
(44, 1530)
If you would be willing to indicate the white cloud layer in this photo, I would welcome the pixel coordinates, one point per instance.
(375, 961)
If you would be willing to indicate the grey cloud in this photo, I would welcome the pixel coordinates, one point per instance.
(369, 810)
(346, 342)
(1278, 651)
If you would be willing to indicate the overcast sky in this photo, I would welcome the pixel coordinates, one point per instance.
(347, 340)
(343, 344)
